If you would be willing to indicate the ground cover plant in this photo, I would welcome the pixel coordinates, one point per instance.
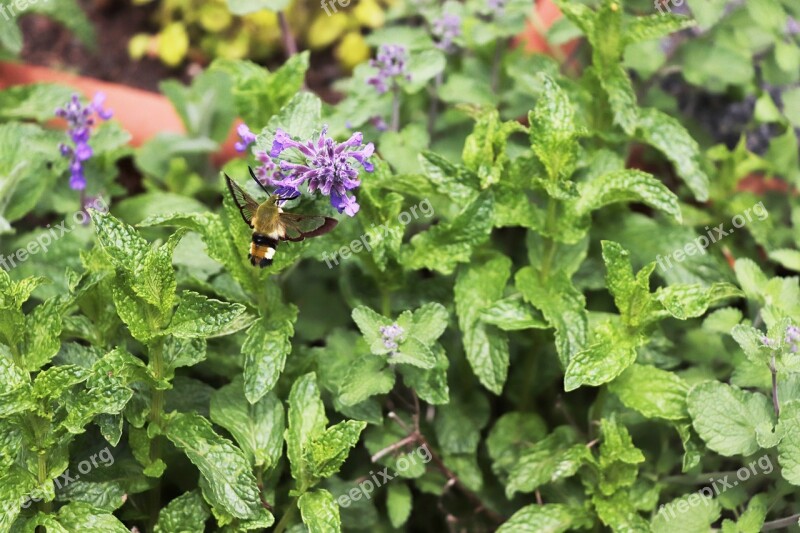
(561, 293)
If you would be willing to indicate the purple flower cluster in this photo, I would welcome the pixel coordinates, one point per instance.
(247, 138)
(80, 120)
(324, 165)
(445, 30)
(391, 65)
(792, 337)
(496, 7)
(390, 335)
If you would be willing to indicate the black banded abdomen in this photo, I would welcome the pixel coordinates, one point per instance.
(262, 249)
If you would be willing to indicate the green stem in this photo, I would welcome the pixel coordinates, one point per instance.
(287, 517)
(156, 412)
(550, 244)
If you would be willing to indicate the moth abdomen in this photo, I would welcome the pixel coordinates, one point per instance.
(262, 249)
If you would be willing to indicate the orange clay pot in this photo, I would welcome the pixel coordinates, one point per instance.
(534, 39)
(142, 113)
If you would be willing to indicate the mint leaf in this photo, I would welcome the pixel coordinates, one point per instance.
(224, 466)
(477, 287)
(726, 417)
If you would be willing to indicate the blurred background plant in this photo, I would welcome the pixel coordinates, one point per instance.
(202, 30)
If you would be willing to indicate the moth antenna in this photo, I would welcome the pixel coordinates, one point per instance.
(253, 175)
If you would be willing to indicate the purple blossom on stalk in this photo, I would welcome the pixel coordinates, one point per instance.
(391, 64)
(326, 166)
(390, 335)
(792, 337)
(496, 7)
(80, 120)
(247, 138)
(445, 30)
(379, 123)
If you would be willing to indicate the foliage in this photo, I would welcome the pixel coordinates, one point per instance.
(532, 323)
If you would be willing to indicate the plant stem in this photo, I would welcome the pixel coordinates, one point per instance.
(550, 244)
(497, 63)
(45, 507)
(395, 107)
(286, 517)
(289, 43)
(781, 523)
(433, 108)
(774, 371)
(156, 410)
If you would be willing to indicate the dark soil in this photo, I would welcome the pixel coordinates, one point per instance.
(47, 43)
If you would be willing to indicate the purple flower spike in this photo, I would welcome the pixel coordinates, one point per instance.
(390, 335)
(80, 120)
(496, 7)
(445, 30)
(247, 138)
(792, 337)
(391, 65)
(324, 166)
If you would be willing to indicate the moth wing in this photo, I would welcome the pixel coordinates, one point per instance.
(246, 204)
(297, 227)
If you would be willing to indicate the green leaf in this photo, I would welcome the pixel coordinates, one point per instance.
(42, 332)
(204, 107)
(245, 7)
(155, 282)
(617, 85)
(610, 352)
(693, 513)
(726, 417)
(477, 287)
(320, 512)
(326, 453)
(554, 133)
(512, 314)
(307, 421)
(618, 512)
(670, 137)
(259, 94)
(548, 460)
(428, 323)
(398, 504)
(198, 316)
(368, 375)
(186, 513)
(653, 392)
(265, 349)
(257, 428)
(654, 27)
(627, 186)
(618, 457)
(631, 293)
(563, 306)
(83, 517)
(224, 466)
(455, 182)
(445, 245)
(690, 301)
(510, 437)
(549, 518)
(789, 447)
(123, 245)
